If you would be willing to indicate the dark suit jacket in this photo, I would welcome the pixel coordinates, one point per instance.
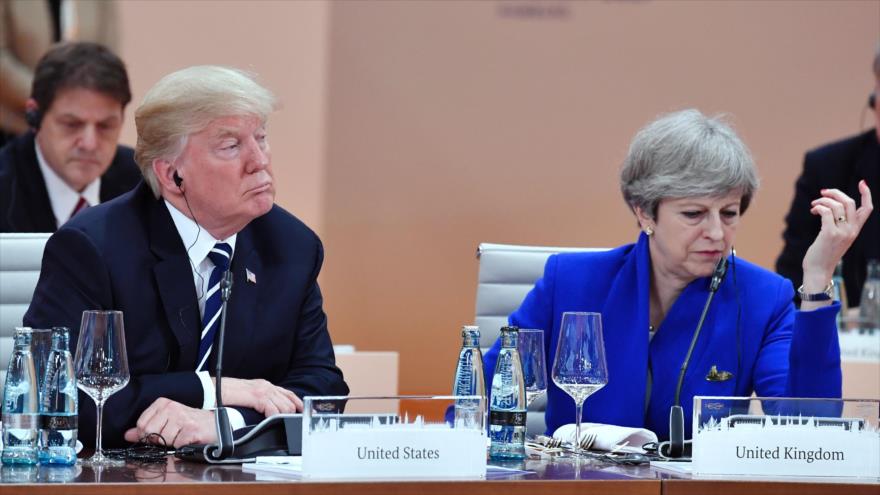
(838, 165)
(127, 255)
(24, 200)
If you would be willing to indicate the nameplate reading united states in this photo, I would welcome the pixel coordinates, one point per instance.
(391, 446)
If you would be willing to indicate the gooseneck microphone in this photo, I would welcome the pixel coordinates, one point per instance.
(676, 413)
(225, 446)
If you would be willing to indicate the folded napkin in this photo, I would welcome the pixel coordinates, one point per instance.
(609, 437)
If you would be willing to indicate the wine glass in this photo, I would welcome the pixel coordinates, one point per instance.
(531, 353)
(101, 366)
(580, 368)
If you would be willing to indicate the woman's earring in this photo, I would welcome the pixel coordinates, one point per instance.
(649, 231)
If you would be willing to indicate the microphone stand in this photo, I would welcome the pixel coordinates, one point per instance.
(676, 413)
(225, 446)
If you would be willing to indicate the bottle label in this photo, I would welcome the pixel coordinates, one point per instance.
(66, 422)
(507, 418)
(22, 421)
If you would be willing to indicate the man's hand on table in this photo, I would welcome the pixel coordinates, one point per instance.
(178, 424)
(260, 395)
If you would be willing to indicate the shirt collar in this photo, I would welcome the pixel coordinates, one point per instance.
(197, 240)
(62, 197)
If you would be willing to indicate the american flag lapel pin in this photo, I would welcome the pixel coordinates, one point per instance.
(251, 278)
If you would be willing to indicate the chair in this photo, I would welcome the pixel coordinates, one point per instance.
(20, 259)
(507, 273)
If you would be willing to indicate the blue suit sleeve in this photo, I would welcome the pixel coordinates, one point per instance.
(800, 356)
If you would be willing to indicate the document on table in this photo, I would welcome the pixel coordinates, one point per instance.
(290, 467)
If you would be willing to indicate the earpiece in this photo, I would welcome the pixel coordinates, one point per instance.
(33, 118)
(872, 100)
(178, 180)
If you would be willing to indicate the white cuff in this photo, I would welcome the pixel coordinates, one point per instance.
(236, 420)
(208, 389)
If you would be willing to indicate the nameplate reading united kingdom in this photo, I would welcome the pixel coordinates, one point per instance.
(786, 444)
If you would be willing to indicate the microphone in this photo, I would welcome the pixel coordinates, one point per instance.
(225, 446)
(676, 413)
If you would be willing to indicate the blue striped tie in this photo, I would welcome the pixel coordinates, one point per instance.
(220, 255)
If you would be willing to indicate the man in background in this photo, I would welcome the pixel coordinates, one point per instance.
(70, 159)
(839, 165)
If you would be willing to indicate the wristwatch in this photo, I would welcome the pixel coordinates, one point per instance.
(825, 295)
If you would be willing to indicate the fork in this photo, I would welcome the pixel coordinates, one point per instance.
(587, 441)
(549, 442)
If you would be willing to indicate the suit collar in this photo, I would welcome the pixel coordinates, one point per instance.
(198, 241)
(175, 287)
(62, 197)
(32, 210)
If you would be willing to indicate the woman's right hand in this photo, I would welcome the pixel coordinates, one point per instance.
(841, 224)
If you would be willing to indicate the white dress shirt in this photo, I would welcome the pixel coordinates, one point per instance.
(62, 197)
(198, 244)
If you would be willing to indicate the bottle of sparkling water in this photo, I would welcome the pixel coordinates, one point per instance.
(58, 404)
(869, 305)
(507, 411)
(469, 380)
(20, 404)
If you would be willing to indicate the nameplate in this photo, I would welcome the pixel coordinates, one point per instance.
(787, 446)
(395, 451)
(859, 347)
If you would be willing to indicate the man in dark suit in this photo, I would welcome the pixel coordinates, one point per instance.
(70, 158)
(158, 253)
(839, 165)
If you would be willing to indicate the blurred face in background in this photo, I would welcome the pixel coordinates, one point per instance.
(79, 133)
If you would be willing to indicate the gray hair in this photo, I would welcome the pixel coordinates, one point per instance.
(686, 154)
(185, 102)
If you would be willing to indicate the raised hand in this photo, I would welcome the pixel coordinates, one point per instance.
(841, 224)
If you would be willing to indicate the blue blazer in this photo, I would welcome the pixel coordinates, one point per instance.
(127, 255)
(776, 351)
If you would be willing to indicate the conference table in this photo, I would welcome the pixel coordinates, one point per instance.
(556, 476)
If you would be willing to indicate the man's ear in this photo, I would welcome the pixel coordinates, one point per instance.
(32, 113)
(164, 170)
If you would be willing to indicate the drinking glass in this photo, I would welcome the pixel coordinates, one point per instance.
(531, 353)
(101, 366)
(580, 368)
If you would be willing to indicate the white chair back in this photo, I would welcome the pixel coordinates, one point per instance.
(507, 274)
(20, 258)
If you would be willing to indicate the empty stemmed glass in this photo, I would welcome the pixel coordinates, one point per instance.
(531, 352)
(579, 367)
(101, 366)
